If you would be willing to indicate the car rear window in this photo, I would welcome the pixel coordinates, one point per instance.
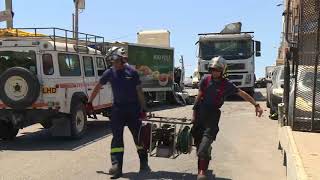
(88, 66)
(69, 64)
(25, 59)
(101, 67)
(47, 64)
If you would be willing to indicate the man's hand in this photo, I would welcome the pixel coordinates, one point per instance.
(259, 110)
(143, 114)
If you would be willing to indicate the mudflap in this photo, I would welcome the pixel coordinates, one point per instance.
(61, 127)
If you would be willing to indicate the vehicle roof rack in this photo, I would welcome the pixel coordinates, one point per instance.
(56, 35)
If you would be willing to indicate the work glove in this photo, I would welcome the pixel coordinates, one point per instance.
(89, 108)
(143, 114)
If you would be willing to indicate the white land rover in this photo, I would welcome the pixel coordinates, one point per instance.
(47, 80)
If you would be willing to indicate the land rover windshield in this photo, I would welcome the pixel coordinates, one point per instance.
(230, 50)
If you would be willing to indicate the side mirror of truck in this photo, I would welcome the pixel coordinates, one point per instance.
(258, 48)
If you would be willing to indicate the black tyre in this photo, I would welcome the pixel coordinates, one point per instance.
(7, 131)
(19, 88)
(78, 120)
(258, 85)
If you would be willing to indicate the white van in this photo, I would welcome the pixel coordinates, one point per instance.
(47, 80)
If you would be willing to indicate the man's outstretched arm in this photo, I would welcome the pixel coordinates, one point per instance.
(248, 98)
(95, 92)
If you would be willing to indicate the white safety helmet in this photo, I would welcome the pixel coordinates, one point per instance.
(217, 63)
(115, 53)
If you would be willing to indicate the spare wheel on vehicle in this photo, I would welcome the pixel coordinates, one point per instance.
(19, 88)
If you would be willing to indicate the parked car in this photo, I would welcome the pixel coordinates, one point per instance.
(260, 83)
(275, 89)
(303, 102)
(48, 82)
(188, 82)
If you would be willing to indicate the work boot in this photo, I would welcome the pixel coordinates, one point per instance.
(202, 169)
(143, 156)
(115, 171)
(274, 116)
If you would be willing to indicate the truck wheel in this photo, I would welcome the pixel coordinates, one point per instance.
(7, 131)
(78, 120)
(19, 88)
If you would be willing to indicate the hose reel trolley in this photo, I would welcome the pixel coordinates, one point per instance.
(166, 136)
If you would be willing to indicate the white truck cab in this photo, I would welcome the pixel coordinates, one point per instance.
(47, 80)
(238, 51)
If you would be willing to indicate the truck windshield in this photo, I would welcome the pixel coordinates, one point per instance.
(25, 59)
(228, 49)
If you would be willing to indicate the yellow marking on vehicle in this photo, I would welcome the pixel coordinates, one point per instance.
(49, 90)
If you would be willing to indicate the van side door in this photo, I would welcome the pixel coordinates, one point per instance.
(89, 76)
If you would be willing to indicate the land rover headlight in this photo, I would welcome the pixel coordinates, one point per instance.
(248, 79)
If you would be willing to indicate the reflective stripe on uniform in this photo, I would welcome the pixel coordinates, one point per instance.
(117, 150)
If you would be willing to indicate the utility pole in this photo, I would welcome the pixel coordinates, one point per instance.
(76, 21)
(73, 34)
(9, 8)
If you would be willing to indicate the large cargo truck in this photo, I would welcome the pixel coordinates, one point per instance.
(155, 66)
(237, 48)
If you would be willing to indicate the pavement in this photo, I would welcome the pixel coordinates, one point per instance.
(246, 148)
(301, 153)
(309, 150)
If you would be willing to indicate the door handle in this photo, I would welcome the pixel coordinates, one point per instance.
(89, 89)
(102, 88)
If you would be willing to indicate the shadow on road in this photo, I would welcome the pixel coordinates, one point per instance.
(164, 175)
(168, 175)
(42, 140)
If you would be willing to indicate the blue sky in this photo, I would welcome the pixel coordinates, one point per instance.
(121, 20)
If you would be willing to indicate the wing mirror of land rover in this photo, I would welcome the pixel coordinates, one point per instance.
(282, 86)
(258, 48)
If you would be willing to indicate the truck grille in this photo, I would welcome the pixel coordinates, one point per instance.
(239, 66)
(233, 77)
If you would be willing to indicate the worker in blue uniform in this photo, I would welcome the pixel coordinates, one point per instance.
(128, 105)
(212, 92)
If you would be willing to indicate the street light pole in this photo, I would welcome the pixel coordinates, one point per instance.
(9, 8)
(76, 21)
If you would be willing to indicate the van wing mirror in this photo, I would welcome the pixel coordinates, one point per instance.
(258, 48)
